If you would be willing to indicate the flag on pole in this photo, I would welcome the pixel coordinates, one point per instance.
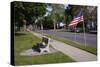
(79, 18)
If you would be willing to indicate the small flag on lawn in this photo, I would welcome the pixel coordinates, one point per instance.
(79, 18)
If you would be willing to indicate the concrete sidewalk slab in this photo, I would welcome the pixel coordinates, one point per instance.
(74, 53)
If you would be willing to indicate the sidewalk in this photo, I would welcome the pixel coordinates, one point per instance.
(75, 53)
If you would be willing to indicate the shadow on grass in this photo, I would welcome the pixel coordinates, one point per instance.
(19, 34)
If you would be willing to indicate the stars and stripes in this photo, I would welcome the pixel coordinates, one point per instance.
(79, 18)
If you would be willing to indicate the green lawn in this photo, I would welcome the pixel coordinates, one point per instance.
(24, 41)
(75, 44)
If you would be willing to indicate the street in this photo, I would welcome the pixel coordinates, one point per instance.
(91, 39)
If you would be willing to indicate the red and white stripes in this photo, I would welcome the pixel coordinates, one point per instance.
(76, 20)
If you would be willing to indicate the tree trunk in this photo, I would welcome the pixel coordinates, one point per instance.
(54, 24)
(42, 28)
(24, 26)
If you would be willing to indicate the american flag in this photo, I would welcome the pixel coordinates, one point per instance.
(79, 18)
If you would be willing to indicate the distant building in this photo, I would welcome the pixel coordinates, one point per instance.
(60, 25)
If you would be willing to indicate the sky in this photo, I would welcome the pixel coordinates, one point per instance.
(65, 5)
(50, 9)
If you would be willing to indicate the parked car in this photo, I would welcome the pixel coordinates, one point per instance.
(77, 30)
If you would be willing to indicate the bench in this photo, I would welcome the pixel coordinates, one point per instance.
(42, 46)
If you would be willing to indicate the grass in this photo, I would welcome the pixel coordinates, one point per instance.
(24, 41)
(65, 30)
(81, 30)
(75, 44)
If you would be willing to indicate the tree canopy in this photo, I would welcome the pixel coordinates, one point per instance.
(28, 12)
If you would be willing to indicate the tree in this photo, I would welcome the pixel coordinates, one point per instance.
(48, 22)
(56, 13)
(25, 13)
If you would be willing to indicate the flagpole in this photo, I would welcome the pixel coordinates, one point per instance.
(75, 33)
(76, 20)
(84, 33)
(75, 30)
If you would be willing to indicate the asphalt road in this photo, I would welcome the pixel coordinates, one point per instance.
(91, 39)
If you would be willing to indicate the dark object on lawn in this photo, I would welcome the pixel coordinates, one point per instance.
(43, 46)
(38, 46)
